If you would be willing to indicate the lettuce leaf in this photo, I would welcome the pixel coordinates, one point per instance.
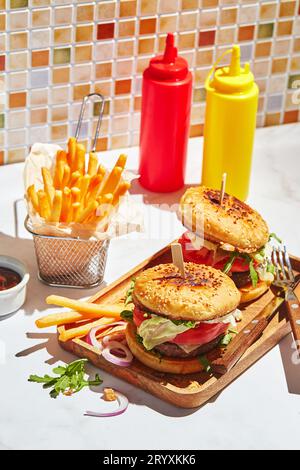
(158, 330)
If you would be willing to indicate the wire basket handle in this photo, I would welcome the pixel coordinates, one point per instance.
(81, 114)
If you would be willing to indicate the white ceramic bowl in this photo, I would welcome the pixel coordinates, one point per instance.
(12, 299)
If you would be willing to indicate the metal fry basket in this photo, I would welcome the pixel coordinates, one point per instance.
(69, 262)
(66, 261)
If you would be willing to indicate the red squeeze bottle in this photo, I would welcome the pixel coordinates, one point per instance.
(165, 120)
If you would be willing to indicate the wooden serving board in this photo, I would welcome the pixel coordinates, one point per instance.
(186, 391)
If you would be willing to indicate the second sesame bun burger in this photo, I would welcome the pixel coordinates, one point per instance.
(230, 236)
(176, 320)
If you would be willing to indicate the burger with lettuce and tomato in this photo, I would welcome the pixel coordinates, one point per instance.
(230, 236)
(176, 320)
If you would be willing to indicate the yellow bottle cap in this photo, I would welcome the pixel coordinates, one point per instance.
(234, 78)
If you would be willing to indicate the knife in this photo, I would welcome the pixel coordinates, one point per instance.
(245, 337)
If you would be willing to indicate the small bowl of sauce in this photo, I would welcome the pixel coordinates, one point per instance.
(14, 277)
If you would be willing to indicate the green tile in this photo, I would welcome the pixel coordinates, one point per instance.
(18, 3)
(96, 109)
(2, 121)
(292, 79)
(62, 55)
(199, 95)
(265, 30)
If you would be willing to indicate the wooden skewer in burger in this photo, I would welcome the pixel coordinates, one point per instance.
(180, 314)
(230, 236)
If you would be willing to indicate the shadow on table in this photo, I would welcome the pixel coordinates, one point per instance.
(291, 370)
(167, 200)
(135, 396)
(23, 249)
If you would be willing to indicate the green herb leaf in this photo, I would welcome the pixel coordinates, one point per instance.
(205, 362)
(69, 379)
(230, 262)
(187, 323)
(128, 297)
(139, 339)
(270, 268)
(253, 274)
(225, 340)
(127, 315)
(273, 235)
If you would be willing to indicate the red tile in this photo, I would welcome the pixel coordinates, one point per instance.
(207, 38)
(105, 30)
(290, 116)
(246, 33)
(2, 62)
(122, 87)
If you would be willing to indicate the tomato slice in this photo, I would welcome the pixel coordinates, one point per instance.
(138, 316)
(202, 334)
(205, 256)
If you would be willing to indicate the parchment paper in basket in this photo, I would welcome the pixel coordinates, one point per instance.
(128, 217)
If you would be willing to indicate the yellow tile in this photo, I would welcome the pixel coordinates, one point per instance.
(79, 91)
(18, 41)
(187, 21)
(204, 57)
(62, 35)
(85, 12)
(168, 6)
(59, 132)
(61, 75)
(268, 11)
(148, 7)
(284, 28)
(228, 16)
(295, 64)
(2, 22)
(83, 53)
(106, 10)
(208, 18)
(167, 23)
(125, 48)
(126, 28)
(84, 33)
(41, 17)
(189, 4)
(186, 40)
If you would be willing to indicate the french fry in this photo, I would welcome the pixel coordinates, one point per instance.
(101, 170)
(63, 318)
(121, 161)
(33, 197)
(44, 205)
(79, 160)
(105, 206)
(93, 164)
(94, 188)
(61, 155)
(83, 330)
(75, 192)
(56, 206)
(59, 174)
(84, 186)
(66, 177)
(120, 191)
(48, 184)
(75, 210)
(66, 203)
(75, 176)
(88, 308)
(71, 151)
(112, 181)
(87, 211)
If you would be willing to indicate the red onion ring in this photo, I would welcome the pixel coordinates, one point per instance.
(122, 402)
(119, 361)
(91, 336)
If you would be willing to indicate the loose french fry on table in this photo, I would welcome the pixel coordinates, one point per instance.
(93, 164)
(83, 330)
(56, 207)
(63, 318)
(44, 206)
(33, 197)
(112, 311)
(48, 184)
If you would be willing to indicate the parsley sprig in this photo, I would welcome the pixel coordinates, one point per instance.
(70, 379)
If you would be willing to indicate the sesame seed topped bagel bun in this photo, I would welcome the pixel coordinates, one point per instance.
(204, 294)
(234, 222)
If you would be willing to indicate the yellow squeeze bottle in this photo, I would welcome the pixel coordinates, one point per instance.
(230, 119)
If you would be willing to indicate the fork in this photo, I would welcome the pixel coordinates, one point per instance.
(285, 279)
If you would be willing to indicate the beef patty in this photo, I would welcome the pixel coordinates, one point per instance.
(172, 350)
(241, 279)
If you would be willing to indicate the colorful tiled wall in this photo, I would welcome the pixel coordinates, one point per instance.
(53, 52)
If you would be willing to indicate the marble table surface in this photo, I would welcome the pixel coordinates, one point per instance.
(260, 409)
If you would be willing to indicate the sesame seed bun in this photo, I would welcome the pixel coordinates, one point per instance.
(205, 293)
(154, 361)
(233, 222)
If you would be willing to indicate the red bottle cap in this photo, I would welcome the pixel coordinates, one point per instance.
(168, 66)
